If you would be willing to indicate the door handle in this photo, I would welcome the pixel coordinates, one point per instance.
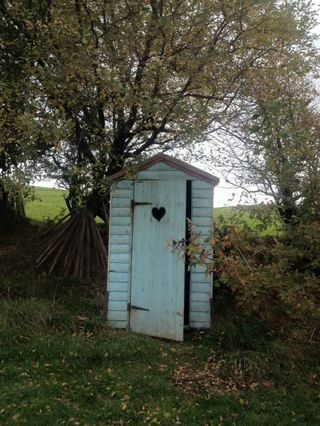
(180, 243)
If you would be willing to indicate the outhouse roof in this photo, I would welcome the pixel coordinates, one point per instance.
(173, 162)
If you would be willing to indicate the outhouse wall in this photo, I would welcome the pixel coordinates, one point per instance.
(120, 240)
(200, 281)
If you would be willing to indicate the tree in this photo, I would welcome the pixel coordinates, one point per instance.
(109, 82)
(124, 79)
(273, 147)
(22, 133)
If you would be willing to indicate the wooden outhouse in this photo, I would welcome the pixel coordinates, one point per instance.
(150, 289)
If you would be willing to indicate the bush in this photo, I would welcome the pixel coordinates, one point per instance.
(275, 278)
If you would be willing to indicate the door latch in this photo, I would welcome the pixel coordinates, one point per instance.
(136, 308)
(138, 203)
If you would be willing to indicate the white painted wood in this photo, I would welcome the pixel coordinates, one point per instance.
(200, 184)
(201, 287)
(121, 211)
(119, 267)
(201, 277)
(119, 257)
(201, 283)
(118, 286)
(161, 166)
(119, 277)
(202, 193)
(157, 282)
(120, 203)
(119, 254)
(200, 324)
(120, 230)
(117, 305)
(120, 239)
(121, 221)
(122, 193)
(199, 297)
(119, 248)
(123, 184)
(196, 306)
(202, 212)
(203, 202)
(118, 316)
(118, 296)
(160, 175)
(202, 317)
(203, 221)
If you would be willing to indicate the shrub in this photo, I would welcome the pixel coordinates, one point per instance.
(276, 278)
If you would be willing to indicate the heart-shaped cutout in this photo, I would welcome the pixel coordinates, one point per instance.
(158, 213)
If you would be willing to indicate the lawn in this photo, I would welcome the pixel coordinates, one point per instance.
(47, 203)
(86, 377)
(60, 364)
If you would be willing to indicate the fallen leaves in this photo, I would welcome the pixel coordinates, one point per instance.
(193, 382)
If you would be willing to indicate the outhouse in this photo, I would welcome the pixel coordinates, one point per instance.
(150, 288)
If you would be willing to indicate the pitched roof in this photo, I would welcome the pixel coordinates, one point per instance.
(175, 163)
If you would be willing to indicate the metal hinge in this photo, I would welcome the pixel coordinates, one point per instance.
(137, 203)
(137, 308)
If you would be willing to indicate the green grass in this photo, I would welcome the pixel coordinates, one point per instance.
(249, 216)
(120, 378)
(48, 203)
(59, 364)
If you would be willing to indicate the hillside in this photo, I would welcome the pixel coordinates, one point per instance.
(48, 203)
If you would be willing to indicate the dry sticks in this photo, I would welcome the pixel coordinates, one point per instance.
(75, 247)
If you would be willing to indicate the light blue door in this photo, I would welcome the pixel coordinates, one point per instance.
(157, 281)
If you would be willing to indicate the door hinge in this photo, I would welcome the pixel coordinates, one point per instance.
(138, 203)
(137, 308)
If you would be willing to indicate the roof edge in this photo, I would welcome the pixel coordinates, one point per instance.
(174, 162)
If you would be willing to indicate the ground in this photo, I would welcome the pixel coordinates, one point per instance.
(60, 364)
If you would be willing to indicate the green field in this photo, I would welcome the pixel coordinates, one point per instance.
(47, 203)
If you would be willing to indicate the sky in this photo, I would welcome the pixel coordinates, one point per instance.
(225, 194)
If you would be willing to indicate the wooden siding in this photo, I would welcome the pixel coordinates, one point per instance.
(200, 282)
(120, 241)
(119, 254)
(162, 171)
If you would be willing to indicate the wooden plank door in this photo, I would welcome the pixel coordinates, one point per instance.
(157, 281)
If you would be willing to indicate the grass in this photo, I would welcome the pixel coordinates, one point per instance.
(119, 378)
(47, 203)
(259, 218)
(60, 364)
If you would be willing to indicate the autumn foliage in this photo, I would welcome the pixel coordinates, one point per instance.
(274, 277)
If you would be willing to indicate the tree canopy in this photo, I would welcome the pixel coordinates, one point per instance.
(106, 82)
